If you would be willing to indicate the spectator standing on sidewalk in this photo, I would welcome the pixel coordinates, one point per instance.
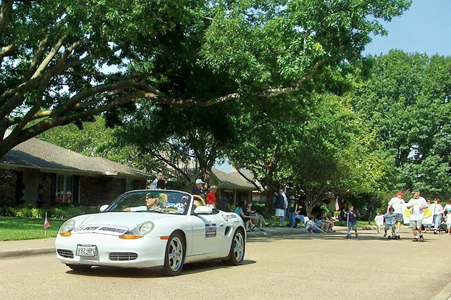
(159, 176)
(397, 204)
(280, 207)
(417, 204)
(352, 221)
(292, 204)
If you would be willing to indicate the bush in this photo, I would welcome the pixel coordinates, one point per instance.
(25, 212)
(58, 212)
(7, 211)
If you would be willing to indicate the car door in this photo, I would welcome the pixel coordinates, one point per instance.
(207, 230)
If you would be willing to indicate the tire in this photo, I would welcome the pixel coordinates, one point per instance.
(237, 249)
(79, 268)
(174, 255)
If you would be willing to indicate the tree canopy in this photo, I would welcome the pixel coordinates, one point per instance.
(65, 61)
(406, 102)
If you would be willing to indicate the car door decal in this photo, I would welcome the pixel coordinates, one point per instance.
(210, 230)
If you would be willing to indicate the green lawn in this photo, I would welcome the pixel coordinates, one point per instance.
(14, 228)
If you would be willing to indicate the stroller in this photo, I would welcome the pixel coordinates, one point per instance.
(442, 226)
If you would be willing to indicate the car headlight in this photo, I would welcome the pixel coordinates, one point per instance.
(138, 232)
(66, 228)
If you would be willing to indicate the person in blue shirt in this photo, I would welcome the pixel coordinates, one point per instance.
(390, 220)
(352, 221)
(196, 190)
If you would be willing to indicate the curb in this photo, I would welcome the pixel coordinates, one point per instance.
(26, 252)
(444, 294)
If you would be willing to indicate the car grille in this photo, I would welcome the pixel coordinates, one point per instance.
(122, 256)
(65, 253)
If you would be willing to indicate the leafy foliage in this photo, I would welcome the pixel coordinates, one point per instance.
(66, 61)
(407, 103)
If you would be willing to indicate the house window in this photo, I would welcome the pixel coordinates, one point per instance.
(64, 189)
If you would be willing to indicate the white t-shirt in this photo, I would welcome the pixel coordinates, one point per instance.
(396, 203)
(438, 209)
(153, 185)
(379, 220)
(417, 214)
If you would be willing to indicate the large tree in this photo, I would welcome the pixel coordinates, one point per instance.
(63, 61)
(187, 141)
(406, 102)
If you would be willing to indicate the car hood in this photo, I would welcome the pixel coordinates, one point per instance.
(120, 219)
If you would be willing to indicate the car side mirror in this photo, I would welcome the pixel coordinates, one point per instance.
(203, 210)
(103, 207)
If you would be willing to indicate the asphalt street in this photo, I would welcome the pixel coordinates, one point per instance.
(431, 255)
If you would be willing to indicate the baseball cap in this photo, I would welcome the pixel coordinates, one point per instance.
(199, 181)
(399, 194)
(151, 195)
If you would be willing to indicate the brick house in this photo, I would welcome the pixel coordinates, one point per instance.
(39, 173)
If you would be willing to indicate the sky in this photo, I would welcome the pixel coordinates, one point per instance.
(424, 28)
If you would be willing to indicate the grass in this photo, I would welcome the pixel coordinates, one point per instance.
(15, 228)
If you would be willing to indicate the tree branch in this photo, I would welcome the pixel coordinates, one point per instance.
(39, 53)
(49, 57)
(6, 51)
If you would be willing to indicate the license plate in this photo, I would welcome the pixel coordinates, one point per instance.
(86, 250)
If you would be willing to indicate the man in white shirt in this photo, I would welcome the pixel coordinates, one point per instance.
(417, 205)
(397, 204)
(159, 176)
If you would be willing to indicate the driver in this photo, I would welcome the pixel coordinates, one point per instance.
(152, 203)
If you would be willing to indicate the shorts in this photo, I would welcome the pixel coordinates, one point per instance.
(280, 212)
(352, 226)
(399, 218)
(415, 223)
(388, 226)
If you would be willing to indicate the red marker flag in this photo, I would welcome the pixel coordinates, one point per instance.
(46, 222)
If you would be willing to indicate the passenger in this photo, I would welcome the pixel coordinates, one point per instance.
(211, 196)
(163, 198)
(197, 189)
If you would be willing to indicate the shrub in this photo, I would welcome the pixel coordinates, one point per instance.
(56, 213)
(25, 212)
(36, 213)
(7, 211)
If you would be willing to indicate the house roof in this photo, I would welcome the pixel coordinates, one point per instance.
(37, 154)
(232, 180)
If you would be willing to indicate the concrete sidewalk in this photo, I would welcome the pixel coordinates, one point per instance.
(47, 245)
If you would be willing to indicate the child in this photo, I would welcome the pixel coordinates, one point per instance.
(379, 219)
(390, 220)
(311, 226)
(352, 221)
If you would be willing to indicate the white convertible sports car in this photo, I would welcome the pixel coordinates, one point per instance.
(151, 228)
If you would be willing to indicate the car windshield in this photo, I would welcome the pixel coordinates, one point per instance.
(153, 201)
